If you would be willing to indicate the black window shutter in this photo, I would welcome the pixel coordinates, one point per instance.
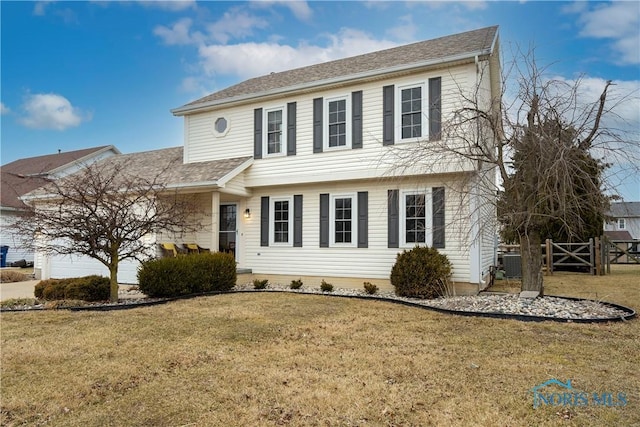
(317, 125)
(387, 115)
(257, 135)
(324, 220)
(291, 129)
(435, 108)
(437, 194)
(393, 220)
(363, 219)
(297, 221)
(356, 119)
(264, 221)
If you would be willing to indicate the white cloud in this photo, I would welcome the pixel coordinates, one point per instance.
(253, 59)
(51, 111)
(406, 30)
(40, 7)
(4, 109)
(178, 34)
(617, 21)
(235, 24)
(171, 5)
(300, 9)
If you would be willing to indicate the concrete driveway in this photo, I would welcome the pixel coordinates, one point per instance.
(11, 290)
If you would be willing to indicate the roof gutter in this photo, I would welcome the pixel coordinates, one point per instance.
(181, 111)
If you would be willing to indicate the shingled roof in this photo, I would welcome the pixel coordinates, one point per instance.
(166, 166)
(625, 210)
(443, 49)
(25, 175)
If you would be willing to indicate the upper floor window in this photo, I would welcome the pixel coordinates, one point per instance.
(411, 112)
(275, 131)
(621, 224)
(338, 123)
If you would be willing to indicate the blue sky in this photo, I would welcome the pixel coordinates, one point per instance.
(84, 74)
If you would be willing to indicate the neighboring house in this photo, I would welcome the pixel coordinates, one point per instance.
(626, 221)
(301, 171)
(25, 175)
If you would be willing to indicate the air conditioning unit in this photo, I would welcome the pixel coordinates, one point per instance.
(512, 265)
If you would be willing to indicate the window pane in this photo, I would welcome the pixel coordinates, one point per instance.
(411, 115)
(415, 220)
(337, 123)
(274, 132)
(342, 221)
(281, 221)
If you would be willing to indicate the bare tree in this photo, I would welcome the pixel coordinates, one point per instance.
(549, 145)
(105, 211)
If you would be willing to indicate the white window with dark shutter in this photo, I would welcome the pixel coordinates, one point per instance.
(342, 220)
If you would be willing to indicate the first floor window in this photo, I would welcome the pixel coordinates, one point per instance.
(415, 218)
(282, 221)
(415, 222)
(343, 220)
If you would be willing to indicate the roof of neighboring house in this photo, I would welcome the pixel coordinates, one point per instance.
(618, 235)
(25, 175)
(167, 167)
(625, 209)
(429, 52)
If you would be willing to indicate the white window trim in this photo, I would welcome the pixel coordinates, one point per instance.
(272, 218)
(215, 131)
(265, 131)
(424, 110)
(325, 122)
(622, 224)
(354, 220)
(428, 212)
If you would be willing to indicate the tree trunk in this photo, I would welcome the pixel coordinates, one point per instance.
(531, 253)
(113, 279)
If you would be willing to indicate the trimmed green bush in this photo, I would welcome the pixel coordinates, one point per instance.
(88, 288)
(422, 272)
(296, 284)
(185, 275)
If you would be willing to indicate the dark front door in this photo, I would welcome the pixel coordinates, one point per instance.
(228, 230)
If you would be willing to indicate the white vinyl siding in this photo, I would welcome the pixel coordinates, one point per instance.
(376, 260)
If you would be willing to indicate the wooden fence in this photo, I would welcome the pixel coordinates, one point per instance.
(594, 256)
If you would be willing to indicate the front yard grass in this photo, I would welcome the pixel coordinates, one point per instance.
(262, 359)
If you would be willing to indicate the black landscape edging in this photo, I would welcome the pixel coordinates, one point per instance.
(521, 317)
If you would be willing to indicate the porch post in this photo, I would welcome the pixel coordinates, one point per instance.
(215, 221)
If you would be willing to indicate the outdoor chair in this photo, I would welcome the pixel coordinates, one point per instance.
(194, 248)
(171, 249)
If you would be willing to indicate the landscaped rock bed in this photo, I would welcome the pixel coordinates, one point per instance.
(486, 305)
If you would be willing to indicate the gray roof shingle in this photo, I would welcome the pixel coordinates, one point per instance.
(476, 42)
(625, 209)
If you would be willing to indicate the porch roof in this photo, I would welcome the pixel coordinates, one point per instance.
(166, 167)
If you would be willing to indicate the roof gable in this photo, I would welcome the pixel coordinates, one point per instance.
(443, 49)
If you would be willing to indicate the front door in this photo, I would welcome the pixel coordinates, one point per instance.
(228, 230)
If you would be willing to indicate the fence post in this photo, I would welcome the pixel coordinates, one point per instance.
(549, 250)
(597, 253)
(591, 262)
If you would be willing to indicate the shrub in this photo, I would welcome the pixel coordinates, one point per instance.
(185, 275)
(370, 288)
(422, 272)
(296, 284)
(88, 288)
(7, 276)
(326, 287)
(260, 283)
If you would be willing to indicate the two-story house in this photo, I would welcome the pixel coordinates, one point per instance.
(308, 173)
